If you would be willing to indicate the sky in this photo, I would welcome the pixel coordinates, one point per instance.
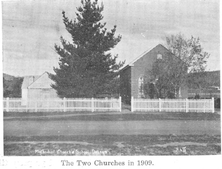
(31, 28)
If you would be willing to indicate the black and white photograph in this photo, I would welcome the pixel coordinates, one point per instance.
(111, 78)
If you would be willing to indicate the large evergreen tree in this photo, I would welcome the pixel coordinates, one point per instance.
(86, 67)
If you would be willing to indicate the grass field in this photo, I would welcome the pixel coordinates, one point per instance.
(113, 145)
(111, 116)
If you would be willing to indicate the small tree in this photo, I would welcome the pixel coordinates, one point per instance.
(189, 51)
(192, 54)
(172, 72)
(166, 75)
(86, 68)
(149, 89)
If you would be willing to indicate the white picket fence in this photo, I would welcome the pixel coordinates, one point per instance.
(113, 104)
(173, 105)
(61, 105)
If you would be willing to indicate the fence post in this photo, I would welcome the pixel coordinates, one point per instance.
(7, 104)
(212, 104)
(120, 103)
(159, 104)
(187, 105)
(35, 106)
(132, 108)
(204, 107)
(64, 104)
(27, 105)
(47, 105)
(92, 104)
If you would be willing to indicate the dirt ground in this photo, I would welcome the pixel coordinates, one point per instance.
(112, 145)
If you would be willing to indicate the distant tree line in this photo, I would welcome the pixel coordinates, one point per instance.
(12, 87)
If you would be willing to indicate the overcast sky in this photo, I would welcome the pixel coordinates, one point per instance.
(32, 27)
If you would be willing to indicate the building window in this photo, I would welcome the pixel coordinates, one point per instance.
(141, 87)
(159, 56)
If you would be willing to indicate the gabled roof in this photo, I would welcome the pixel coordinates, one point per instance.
(38, 82)
(42, 82)
(144, 53)
(140, 56)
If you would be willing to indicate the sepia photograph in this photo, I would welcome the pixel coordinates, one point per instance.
(111, 78)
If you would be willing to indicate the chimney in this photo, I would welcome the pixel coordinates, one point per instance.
(31, 79)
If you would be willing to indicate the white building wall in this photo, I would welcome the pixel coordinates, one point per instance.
(42, 94)
(24, 96)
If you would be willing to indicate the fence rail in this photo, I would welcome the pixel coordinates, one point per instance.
(64, 105)
(173, 105)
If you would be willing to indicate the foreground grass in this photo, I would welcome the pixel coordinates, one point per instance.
(113, 145)
(110, 116)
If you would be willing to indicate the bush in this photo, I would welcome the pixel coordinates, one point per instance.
(217, 103)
